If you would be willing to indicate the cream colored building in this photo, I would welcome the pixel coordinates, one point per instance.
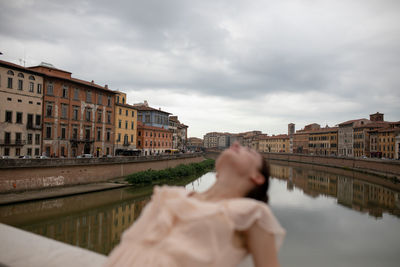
(21, 92)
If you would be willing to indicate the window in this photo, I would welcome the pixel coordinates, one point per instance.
(139, 133)
(31, 86)
(63, 151)
(65, 92)
(30, 121)
(120, 111)
(48, 132)
(7, 137)
(99, 115)
(29, 151)
(30, 138)
(109, 101)
(126, 112)
(132, 125)
(75, 113)
(131, 138)
(75, 133)
(38, 120)
(108, 135)
(64, 111)
(31, 78)
(63, 133)
(87, 136)
(48, 149)
(39, 88)
(8, 116)
(17, 151)
(133, 114)
(37, 151)
(37, 139)
(9, 98)
(76, 94)
(20, 75)
(19, 100)
(126, 124)
(100, 99)
(98, 134)
(49, 109)
(89, 96)
(88, 114)
(50, 89)
(108, 117)
(139, 143)
(119, 137)
(6, 151)
(117, 98)
(119, 124)
(10, 82)
(19, 117)
(140, 117)
(18, 138)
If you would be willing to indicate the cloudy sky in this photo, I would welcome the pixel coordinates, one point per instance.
(222, 65)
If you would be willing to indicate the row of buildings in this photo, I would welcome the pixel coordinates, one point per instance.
(45, 111)
(373, 137)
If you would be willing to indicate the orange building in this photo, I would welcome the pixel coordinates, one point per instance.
(78, 116)
(383, 141)
(153, 140)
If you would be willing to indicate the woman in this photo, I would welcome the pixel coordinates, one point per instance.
(218, 227)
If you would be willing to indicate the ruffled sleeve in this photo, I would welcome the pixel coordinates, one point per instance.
(245, 212)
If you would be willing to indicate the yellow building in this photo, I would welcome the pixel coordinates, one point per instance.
(383, 142)
(323, 141)
(275, 143)
(125, 124)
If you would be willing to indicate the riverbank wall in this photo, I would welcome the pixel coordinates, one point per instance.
(31, 174)
(388, 168)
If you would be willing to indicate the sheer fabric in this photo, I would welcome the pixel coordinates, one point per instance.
(175, 229)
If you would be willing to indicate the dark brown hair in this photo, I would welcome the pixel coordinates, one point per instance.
(260, 192)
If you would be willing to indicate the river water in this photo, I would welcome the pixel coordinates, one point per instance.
(332, 217)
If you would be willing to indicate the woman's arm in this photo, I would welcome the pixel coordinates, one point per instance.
(261, 245)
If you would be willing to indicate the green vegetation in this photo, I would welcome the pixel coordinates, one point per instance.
(171, 175)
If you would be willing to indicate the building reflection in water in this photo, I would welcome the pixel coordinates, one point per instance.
(96, 221)
(362, 196)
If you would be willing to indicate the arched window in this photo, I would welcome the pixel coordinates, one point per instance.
(31, 78)
(20, 75)
(10, 72)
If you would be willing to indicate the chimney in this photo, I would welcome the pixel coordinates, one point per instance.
(92, 81)
(106, 86)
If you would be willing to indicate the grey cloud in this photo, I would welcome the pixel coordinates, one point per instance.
(347, 50)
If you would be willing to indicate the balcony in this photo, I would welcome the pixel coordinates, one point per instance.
(126, 144)
(30, 126)
(85, 140)
(9, 142)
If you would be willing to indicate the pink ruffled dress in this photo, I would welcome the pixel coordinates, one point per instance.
(175, 229)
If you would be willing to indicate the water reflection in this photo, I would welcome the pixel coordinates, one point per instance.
(359, 195)
(301, 197)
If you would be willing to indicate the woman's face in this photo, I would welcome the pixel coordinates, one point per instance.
(243, 160)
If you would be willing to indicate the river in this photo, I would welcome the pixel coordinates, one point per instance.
(332, 217)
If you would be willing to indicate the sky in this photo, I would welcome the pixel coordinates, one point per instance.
(222, 65)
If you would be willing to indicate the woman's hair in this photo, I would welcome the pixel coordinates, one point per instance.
(260, 192)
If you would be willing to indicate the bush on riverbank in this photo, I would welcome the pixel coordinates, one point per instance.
(170, 174)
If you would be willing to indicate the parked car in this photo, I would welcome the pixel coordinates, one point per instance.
(25, 157)
(85, 156)
(42, 157)
(5, 157)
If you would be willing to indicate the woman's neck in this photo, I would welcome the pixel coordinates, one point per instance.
(222, 189)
